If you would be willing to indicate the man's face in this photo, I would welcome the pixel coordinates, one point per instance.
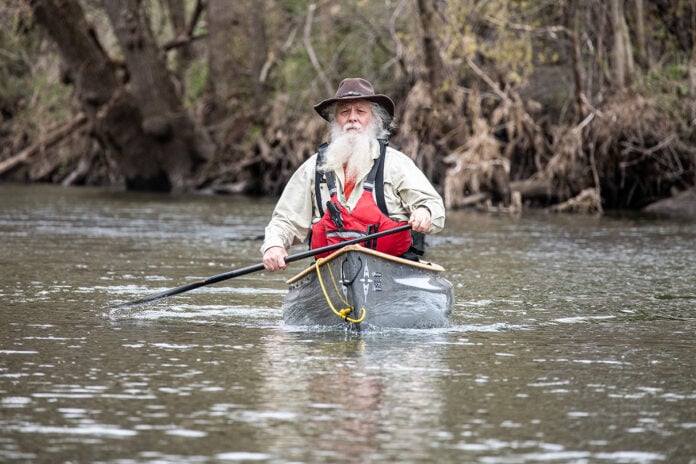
(355, 112)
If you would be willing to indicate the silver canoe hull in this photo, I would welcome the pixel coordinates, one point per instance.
(393, 292)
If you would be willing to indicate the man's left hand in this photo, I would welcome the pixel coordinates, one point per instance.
(420, 220)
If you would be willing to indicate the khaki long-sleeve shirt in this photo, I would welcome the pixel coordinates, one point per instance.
(405, 189)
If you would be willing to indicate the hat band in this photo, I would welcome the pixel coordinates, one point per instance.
(352, 93)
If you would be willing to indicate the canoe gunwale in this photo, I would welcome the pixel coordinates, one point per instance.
(416, 264)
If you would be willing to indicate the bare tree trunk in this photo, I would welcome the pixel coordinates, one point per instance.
(640, 34)
(238, 50)
(87, 65)
(628, 46)
(618, 65)
(149, 136)
(692, 64)
(259, 52)
(172, 134)
(223, 27)
(433, 61)
(576, 57)
(177, 14)
(622, 65)
(101, 93)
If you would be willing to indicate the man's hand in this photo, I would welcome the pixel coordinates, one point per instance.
(420, 219)
(274, 259)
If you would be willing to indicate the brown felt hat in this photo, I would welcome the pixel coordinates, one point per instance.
(355, 88)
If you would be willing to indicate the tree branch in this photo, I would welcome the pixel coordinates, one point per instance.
(49, 140)
(310, 51)
(197, 11)
(181, 41)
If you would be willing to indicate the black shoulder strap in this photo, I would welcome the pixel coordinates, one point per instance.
(379, 178)
(417, 238)
(319, 177)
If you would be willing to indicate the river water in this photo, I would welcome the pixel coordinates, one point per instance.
(572, 340)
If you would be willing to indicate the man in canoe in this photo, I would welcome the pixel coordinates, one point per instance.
(354, 186)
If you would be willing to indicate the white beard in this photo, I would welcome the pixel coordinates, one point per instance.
(352, 149)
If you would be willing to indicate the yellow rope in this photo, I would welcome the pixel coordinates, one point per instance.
(343, 313)
(338, 292)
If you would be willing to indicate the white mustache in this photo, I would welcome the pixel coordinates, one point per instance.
(352, 125)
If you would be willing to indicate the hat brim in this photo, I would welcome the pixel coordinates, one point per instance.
(382, 100)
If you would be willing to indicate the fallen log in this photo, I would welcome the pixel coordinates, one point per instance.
(50, 139)
(586, 202)
(533, 189)
(473, 199)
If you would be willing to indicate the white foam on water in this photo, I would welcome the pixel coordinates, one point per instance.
(243, 456)
(15, 402)
(186, 433)
(92, 429)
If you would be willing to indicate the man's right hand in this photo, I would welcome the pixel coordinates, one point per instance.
(274, 259)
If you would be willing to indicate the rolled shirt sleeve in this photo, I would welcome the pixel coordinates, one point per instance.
(292, 216)
(407, 188)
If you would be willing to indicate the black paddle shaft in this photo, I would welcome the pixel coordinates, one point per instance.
(258, 267)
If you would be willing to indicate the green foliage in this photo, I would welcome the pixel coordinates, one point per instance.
(491, 31)
(50, 103)
(348, 38)
(31, 93)
(668, 86)
(195, 80)
(16, 44)
(13, 89)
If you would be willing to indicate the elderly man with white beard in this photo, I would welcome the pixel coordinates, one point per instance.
(344, 171)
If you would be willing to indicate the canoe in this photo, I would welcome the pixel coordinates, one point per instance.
(366, 288)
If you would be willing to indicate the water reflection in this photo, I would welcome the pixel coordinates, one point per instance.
(352, 392)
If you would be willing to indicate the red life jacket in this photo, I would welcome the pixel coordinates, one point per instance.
(337, 224)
